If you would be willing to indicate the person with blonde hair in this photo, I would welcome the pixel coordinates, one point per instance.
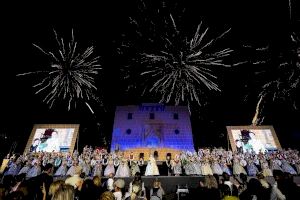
(97, 181)
(156, 192)
(119, 185)
(136, 193)
(75, 180)
(65, 192)
(137, 181)
(107, 196)
(55, 186)
(210, 182)
(98, 185)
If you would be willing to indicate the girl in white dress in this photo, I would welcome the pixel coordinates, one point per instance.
(151, 169)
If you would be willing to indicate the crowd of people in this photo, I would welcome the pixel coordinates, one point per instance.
(42, 175)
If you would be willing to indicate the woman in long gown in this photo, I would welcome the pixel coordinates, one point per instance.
(216, 168)
(224, 166)
(123, 169)
(197, 165)
(205, 167)
(110, 168)
(237, 167)
(265, 168)
(189, 167)
(176, 166)
(62, 169)
(97, 171)
(251, 168)
(151, 169)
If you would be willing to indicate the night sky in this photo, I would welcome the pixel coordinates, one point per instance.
(101, 24)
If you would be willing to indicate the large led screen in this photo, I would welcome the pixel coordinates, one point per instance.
(52, 138)
(253, 138)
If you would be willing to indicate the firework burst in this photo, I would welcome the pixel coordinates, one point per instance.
(284, 84)
(278, 76)
(176, 67)
(70, 76)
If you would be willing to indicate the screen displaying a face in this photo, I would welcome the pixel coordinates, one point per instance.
(254, 139)
(52, 139)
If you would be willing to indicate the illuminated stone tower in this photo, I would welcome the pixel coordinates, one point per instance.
(152, 126)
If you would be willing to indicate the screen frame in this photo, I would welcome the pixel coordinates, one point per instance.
(269, 127)
(54, 126)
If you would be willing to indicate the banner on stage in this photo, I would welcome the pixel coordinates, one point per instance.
(52, 138)
(253, 138)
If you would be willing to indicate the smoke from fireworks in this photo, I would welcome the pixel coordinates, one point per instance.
(176, 67)
(71, 75)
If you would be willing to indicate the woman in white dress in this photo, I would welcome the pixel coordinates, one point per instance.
(110, 168)
(123, 169)
(151, 169)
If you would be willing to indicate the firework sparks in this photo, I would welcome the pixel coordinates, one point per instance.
(285, 81)
(179, 72)
(281, 79)
(177, 68)
(71, 75)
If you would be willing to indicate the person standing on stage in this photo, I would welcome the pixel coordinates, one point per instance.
(151, 169)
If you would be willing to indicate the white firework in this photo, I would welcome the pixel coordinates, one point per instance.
(71, 75)
(181, 66)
